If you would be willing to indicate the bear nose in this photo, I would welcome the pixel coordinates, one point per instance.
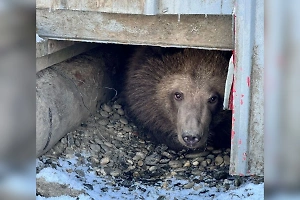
(190, 140)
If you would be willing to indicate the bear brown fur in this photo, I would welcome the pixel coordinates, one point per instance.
(178, 94)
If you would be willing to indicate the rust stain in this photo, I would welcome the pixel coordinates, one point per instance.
(79, 78)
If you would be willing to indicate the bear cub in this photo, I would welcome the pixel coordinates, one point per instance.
(177, 95)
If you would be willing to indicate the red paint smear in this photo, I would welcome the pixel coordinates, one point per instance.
(240, 141)
(241, 101)
(232, 134)
(248, 81)
(244, 156)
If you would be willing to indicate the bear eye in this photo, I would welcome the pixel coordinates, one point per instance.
(178, 96)
(213, 99)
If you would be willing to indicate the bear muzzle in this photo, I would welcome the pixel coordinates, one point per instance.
(192, 140)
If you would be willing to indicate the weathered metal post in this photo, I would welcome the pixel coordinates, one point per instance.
(247, 155)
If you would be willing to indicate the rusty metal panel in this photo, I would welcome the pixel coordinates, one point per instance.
(145, 7)
(247, 147)
(198, 31)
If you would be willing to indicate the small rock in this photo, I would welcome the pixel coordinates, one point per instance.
(152, 168)
(218, 151)
(95, 160)
(120, 111)
(208, 161)
(115, 173)
(77, 142)
(124, 120)
(180, 169)
(175, 164)
(115, 117)
(197, 187)
(95, 147)
(195, 163)
(104, 160)
(116, 106)
(69, 150)
(152, 159)
(218, 175)
(226, 160)
(209, 148)
(196, 172)
(127, 128)
(136, 174)
(140, 163)
(106, 108)
(196, 155)
(238, 181)
(141, 155)
(164, 161)
(189, 185)
(130, 162)
(219, 160)
(104, 113)
(204, 163)
(211, 156)
(187, 164)
(103, 122)
(161, 197)
(89, 186)
(130, 168)
(167, 154)
(64, 140)
(211, 168)
(80, 172)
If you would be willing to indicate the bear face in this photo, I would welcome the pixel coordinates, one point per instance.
(191, 106)
(178, 96)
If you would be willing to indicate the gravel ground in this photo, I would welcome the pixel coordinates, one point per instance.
(109, 159)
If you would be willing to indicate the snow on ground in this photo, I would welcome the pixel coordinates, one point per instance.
(38, 38)
(66, 175)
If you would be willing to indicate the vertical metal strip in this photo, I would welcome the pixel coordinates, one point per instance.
(244, 40)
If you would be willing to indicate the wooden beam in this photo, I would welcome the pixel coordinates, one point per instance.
(50, 52)
(197, 31)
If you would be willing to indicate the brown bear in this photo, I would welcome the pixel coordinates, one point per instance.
(178, 95)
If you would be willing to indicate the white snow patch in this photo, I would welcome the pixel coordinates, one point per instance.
(103, 189)
(38, 38)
